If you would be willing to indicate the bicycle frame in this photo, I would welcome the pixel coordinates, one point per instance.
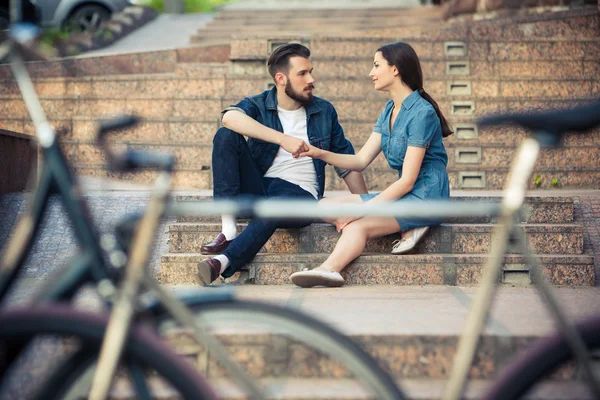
(90, 266)
(55, 179)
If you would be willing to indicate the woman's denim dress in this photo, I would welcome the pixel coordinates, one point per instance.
(418, 125)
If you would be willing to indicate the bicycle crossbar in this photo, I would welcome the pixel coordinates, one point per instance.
(301, 209)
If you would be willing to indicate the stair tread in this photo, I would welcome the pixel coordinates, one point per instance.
(320, 225)
(392, 311)
(347, 389)
(395, 257)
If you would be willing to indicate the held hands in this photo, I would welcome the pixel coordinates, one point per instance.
(312, 151)
(294, 146)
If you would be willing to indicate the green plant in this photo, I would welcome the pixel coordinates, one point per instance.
(191, 6)
(554, 182)
(50, 36)
(537, 180)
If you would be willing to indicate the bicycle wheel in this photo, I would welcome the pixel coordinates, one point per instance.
(143, 349)
(288, 341)
(547, 355)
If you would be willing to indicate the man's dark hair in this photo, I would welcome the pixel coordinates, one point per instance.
(279, 61)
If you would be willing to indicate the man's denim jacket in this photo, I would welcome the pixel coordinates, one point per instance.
(324, 131)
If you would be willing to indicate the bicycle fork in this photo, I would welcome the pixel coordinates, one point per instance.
(512, 199)
(124, 307)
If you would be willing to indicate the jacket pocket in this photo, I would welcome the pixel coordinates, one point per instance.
(397, 149)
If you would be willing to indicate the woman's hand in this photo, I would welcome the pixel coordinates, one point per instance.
(313, 152)
(343, 222)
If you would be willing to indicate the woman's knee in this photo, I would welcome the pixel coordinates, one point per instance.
(356, 228)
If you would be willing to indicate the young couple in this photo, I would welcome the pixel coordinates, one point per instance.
(292, 135)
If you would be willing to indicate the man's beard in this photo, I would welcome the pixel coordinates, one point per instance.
(304, 99)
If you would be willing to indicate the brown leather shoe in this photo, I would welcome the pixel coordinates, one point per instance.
(217, 246)
(208, 271)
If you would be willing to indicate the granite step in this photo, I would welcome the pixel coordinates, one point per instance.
(494, 49)
(348, 389)
(339, 23)
(457, 47)
(475, 177)
(197, 131)
(447, 238)
(270, 14)
(183, 178)
(579, 28)
(411, 331)
(468, 178)
(326, 23)
(578, 158)
(537, 97)
(250, 78)
(389, 269)
(536, 210)
(441, 88)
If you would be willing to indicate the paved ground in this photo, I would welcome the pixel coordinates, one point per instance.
(426, 310)
(167, 31)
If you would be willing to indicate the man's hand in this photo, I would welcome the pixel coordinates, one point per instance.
(312, 151)
(294, 146)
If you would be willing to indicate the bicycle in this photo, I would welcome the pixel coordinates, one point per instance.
(571, 341)
(101, 262)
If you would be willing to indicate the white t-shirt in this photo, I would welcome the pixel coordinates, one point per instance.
(299, 171)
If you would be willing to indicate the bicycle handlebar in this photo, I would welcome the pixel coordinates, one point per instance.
(131, 160)
(549, 127)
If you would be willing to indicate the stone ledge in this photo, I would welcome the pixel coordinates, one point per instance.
(447, 238)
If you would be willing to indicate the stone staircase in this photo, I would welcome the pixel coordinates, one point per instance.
(451, 254)
(231, 23)
(471, 70)
(471, 73)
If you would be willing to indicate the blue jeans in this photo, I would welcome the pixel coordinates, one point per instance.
(235, 174)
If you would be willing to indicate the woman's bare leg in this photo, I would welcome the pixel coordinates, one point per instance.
(347, 198)
(354, 239)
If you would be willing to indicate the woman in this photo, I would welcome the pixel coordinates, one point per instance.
(409, 131)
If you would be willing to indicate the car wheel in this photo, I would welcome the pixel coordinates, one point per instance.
(86, 18)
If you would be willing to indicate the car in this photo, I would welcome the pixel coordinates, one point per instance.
(29, 12)
(70, 15)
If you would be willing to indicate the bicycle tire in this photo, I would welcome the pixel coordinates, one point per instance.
(142, 345)
(546, 355)
(304, 328)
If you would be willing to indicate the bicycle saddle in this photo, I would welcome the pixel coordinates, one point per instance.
(576, 119)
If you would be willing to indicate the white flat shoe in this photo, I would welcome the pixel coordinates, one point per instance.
(404, 245)
(314, 277)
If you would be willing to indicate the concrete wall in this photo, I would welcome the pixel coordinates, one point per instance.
(18, 157)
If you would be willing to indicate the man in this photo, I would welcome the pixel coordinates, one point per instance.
(278, 123)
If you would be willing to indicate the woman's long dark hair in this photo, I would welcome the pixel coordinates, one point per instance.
(404, 58)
